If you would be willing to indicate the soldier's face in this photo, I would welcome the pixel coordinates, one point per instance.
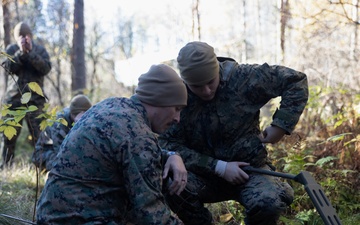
(206, 92)
(164, 117)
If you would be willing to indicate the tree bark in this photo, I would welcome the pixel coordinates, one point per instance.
(7, 34)
(355, 34)
(284, 18)
(244, 47)
(196, 17)
(78, 83)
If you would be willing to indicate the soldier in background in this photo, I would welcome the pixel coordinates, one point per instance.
(219, 133)
(29, 62)
(51, 138)
(110, 167)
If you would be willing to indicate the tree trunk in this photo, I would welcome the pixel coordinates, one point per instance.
(78, 51)
(7, 33)
(196, 17)
(244, 47)
(355, 34)
(284, 18)
(259, 43)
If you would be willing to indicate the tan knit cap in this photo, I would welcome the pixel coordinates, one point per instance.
(161, 86)
(21, 29)
(79, 104)
(197, 63)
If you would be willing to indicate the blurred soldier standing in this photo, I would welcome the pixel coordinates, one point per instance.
(219, 133)
(110, 167)
(29, 62)
(51, 138)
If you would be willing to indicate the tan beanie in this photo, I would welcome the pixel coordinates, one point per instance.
(79, 103)
(197, 63)
(21, 29)
(161, 86)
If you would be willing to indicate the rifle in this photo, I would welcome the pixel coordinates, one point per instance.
(313, 189)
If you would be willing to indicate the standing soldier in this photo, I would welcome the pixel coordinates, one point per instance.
(29, 62)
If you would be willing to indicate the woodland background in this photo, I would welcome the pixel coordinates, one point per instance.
(101, 52)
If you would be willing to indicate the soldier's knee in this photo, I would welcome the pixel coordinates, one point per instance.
(264, 213)
(287, 193)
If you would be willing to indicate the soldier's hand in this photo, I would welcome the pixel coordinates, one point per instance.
(21, 42)
(272, 134)
(234, 174)
(25, 43)
(177, 167)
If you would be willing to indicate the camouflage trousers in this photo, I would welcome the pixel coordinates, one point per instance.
(263, 197)
(33, 123)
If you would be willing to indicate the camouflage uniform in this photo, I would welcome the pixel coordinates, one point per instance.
(49, 141)
(28, 67)
(108, 170)
(227, 128)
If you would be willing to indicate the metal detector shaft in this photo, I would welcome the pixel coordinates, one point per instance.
(268, 172)
(313, 189)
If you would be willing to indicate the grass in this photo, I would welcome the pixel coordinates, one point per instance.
(18, 192)
(18, 185)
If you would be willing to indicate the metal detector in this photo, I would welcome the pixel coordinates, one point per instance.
(314, 190)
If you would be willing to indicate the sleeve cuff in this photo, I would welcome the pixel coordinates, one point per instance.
(170, 153)
(220, 168)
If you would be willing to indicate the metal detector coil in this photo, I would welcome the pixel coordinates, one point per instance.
(313, 189)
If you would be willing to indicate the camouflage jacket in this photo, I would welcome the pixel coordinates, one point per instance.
(108, 171)
(227, 127)
(50, 139)
(28, 67)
